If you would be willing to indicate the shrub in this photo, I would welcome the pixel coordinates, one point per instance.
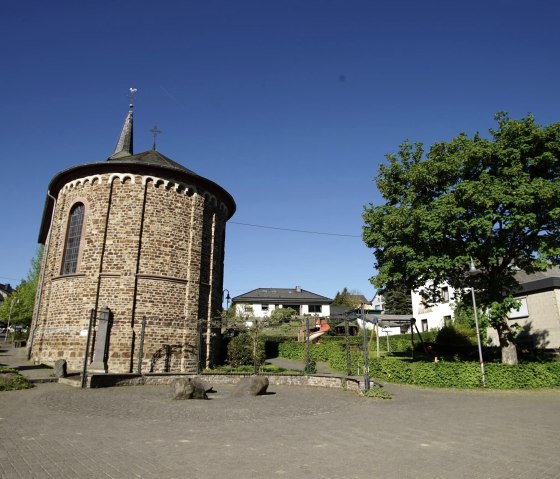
(292, 350)
(378, 392)
(454, 339)
(311, 368)
(11, 380)
(240, 350)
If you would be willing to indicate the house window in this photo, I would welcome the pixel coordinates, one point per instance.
(264, 307)
(73, 239)
(314, 308)
(523, 310)
(445, 294)
(424, 325)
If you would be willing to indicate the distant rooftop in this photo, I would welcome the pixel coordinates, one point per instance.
(295, 295)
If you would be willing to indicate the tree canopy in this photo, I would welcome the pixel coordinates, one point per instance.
(350, 299)
(22, 299)
(494, 199)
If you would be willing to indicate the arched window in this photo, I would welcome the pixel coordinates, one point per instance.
(73, 239)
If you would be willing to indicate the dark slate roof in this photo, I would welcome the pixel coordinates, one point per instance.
(538, 281)
(151, 158)
(282, 296)
(359, 298)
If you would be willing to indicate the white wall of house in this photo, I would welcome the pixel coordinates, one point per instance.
(378, 303)
(320, 310)
(256, 309)
(433, 316)
(264, 310)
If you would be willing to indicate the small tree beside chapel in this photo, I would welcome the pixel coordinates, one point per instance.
(495, 199)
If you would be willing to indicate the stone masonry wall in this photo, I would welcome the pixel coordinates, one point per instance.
(150, 248)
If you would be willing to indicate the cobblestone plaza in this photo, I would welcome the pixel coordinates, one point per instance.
(57, 431)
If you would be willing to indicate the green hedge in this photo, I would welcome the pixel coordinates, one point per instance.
(332, 352)
(466, 374)
(321, 351)
(448, 374)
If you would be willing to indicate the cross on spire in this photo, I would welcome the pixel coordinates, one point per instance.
(155, 131)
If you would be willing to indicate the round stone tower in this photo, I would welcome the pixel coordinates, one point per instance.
(143, 236)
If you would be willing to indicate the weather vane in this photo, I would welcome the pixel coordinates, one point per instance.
(155, 131)
(132, 92)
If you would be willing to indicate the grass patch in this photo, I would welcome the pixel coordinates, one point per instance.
(377, 392)
(11, 380)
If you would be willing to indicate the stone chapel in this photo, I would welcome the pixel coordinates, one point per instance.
(141, 235)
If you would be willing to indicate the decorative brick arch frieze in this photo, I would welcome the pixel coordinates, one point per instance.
(179, 187)
(93, 179)
(122, 177)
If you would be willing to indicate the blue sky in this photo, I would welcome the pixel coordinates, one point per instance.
(289, 105)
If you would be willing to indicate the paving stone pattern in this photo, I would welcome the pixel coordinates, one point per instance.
(55, 431)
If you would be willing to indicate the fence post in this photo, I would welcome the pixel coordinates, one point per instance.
(307, 352)
(141, 348)
(412, 338)
(200, 341)
(88, 337)
(346, 334)
(365, 347)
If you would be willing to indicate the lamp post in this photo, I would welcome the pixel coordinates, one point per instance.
(10, 318)
(228, 297)
(474, 272)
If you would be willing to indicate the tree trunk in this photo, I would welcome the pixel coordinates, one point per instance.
(509, 354)
(507, 343)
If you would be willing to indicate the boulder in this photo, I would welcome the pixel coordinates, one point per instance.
(250, 386)
(186, 388)
(202, 384)
(60, 368)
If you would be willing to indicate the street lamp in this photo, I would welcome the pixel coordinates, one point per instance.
(474, 272)
(228, 297)
(10, 318)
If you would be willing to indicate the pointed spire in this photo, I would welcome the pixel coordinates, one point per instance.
(125, 144)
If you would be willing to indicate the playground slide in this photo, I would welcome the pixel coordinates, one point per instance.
(323, 328)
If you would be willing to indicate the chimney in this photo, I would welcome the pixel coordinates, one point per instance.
(298, 289)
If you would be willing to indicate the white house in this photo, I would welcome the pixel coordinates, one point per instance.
(538, 315)
(378, 303)
(433, 316)
(265, 300)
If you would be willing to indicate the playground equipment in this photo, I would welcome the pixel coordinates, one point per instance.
(317, 327)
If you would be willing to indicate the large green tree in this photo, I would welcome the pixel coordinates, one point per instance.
(494, 199)
(22, 299)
